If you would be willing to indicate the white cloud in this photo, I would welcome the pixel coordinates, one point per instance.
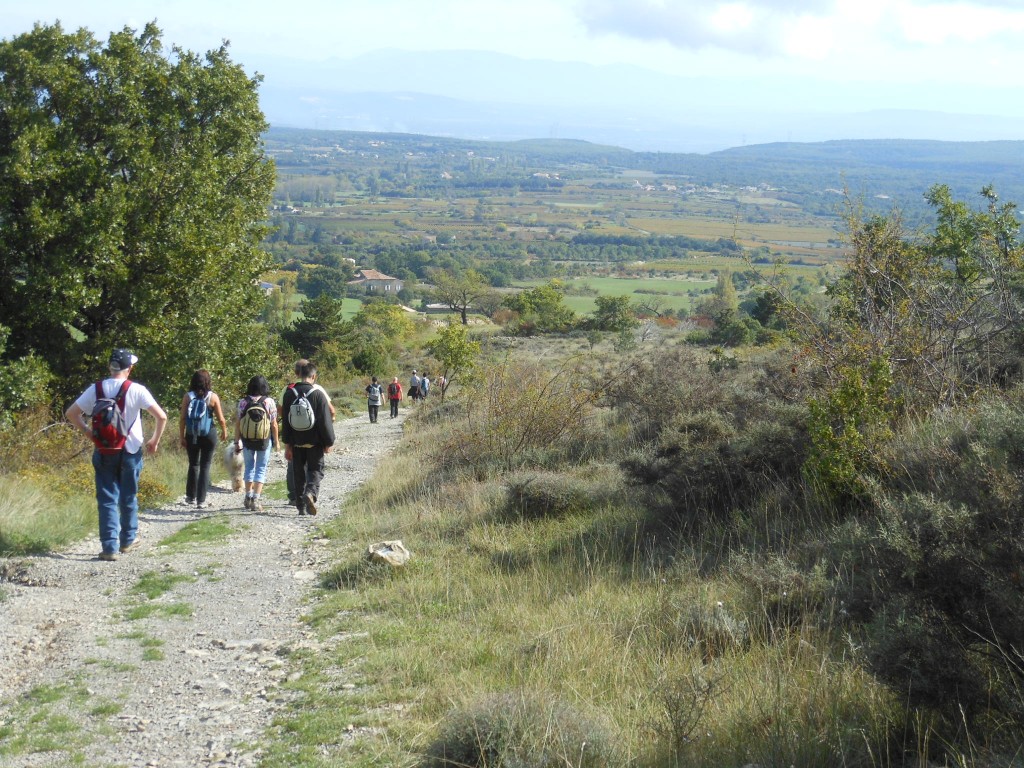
(940, 23)
(805, 29)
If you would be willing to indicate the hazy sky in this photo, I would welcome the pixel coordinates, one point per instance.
(928, 43)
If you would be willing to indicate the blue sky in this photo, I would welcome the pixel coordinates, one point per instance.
(943, 50)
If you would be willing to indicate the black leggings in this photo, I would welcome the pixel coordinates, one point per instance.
(200, 454)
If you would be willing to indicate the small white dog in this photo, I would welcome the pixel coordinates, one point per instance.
(234, 464)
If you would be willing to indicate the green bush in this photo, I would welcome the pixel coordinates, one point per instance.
(518, 730)
(521, 414)
(935, 575)
(556, 494)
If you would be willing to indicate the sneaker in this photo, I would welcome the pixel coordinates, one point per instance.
(257, 504)
(310, 503)
(133, 544)
(108, 556)
(203, 505)
(248, 502)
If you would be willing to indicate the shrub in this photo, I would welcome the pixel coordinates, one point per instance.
(935, 575)
(518, 414)
(518, 730)
(555, 494)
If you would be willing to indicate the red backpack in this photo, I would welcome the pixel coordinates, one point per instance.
(109, 426)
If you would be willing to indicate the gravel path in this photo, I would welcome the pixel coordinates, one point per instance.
(170, 690)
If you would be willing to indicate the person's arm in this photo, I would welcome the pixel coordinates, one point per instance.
(161, 422)
(238, 430)
(326, 425)
(218, 411)
(286, 430)
(75, 415)
(181, 421)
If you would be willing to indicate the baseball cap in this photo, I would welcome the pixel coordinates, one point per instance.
(122, 359)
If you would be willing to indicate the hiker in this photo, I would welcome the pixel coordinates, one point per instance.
(374, 397)
(199, 407)
(414, 386)
(256, 434)
(424, 387)
(108, 413)
(290, 471)
(308, 435)
(394, 396)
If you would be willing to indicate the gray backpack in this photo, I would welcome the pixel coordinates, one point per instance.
(301, 417)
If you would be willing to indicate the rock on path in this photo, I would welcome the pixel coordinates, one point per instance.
(168, 690)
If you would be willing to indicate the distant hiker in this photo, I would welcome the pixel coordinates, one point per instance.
(308, 435)
(424, 387)
(394, 396)
(108, 414)
(414, 386)
(374, 398)
(256, 434)
(290, 471)
(199, 407)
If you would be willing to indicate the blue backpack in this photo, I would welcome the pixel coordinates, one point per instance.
(198, 420)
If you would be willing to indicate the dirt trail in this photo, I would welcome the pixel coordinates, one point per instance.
(196, 682)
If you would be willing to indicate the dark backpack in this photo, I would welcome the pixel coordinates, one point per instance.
(254, 424)
(392, 390)
(198, 419)
(109, 426)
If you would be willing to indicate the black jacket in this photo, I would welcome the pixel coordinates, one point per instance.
(322, 433)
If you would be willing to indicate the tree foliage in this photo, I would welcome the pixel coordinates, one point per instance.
(942, 311)
(319, 331)
(614, 314)
(454, 351)
(541, 309)
(134, 186)
(459, 291)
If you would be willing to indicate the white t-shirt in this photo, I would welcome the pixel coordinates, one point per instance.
(136, 399)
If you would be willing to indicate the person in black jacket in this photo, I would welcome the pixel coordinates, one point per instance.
(306, 448)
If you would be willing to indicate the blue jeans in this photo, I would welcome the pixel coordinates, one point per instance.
(117, 496)
(256, 464)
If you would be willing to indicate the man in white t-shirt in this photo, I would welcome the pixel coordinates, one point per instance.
(117, 473)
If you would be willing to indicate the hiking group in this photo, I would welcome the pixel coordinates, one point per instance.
(108, 413)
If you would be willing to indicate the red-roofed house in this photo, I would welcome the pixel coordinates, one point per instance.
(377, 282)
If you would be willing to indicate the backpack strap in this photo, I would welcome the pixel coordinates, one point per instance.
(118, 397)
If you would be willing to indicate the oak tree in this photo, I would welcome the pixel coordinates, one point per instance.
(133, 191)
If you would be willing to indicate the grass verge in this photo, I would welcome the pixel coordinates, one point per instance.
(598, 631)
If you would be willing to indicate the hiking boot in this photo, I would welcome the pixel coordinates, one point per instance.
(133, 544)
(310, 503)
(257, 504)
(248, 502)
(203, 505)
(108, 556)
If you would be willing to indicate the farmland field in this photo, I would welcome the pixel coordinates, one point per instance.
(407, 206)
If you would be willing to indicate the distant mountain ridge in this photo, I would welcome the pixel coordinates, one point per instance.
(489, 96)
(882, 172)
